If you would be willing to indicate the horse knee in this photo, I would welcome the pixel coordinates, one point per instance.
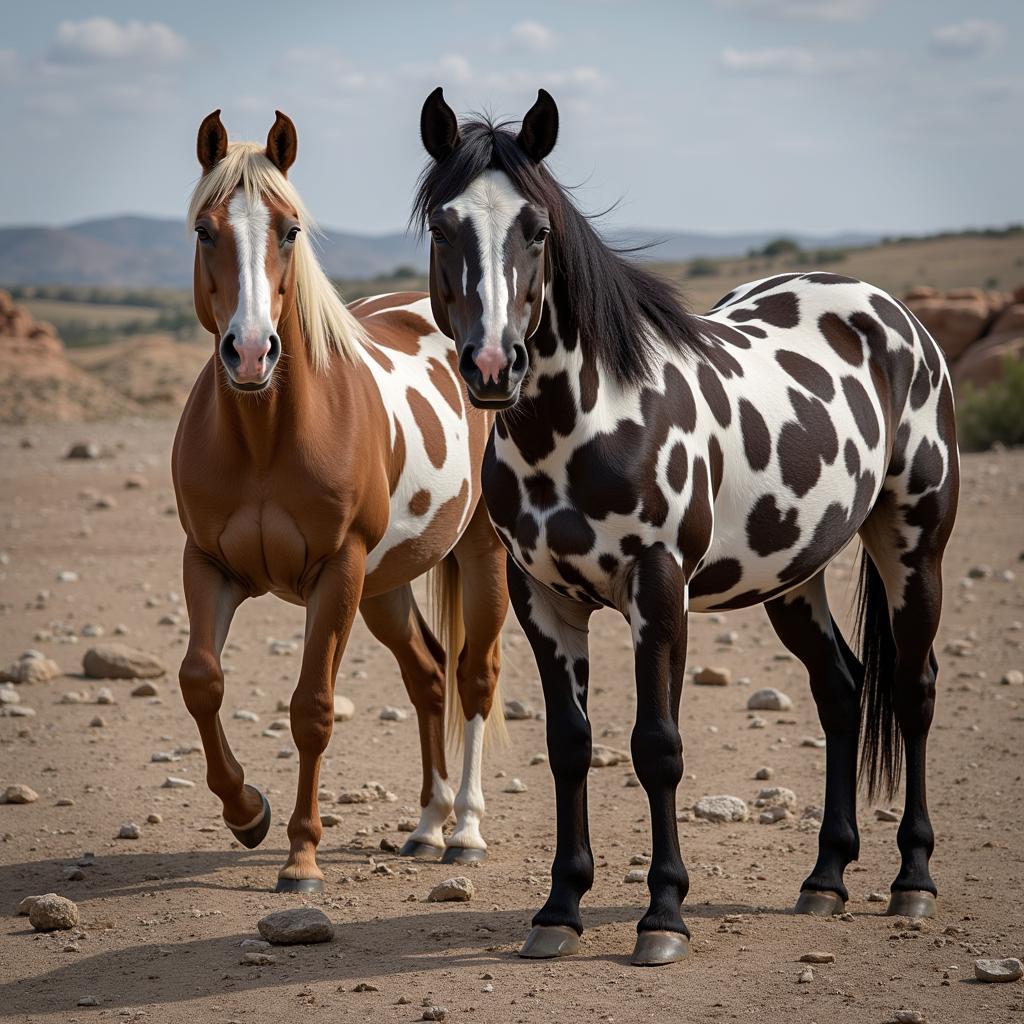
(914, 700)
(312, 720)
(202, 683)
(569, 748)
(657, 750)
(837, 699)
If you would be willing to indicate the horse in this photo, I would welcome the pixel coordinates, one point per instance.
(327, 455)
(659, 463)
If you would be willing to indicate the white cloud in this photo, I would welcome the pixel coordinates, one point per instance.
(793, 61)
(970, 38)
(532, 35)
(103, 41)
(805, 10)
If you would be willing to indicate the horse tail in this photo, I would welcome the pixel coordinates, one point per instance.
(881, 751)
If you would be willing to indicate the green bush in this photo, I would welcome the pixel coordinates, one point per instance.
(994, 414)
(701, 267)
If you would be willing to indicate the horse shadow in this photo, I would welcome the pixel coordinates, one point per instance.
(389, 947)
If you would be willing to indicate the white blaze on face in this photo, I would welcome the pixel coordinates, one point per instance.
(250, 222)
(491, 205)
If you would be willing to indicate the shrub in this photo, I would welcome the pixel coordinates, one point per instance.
(701, 267)
(994, 414)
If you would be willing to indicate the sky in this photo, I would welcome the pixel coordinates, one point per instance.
(891, 116)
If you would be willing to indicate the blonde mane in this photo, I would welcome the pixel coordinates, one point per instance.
(326, 322)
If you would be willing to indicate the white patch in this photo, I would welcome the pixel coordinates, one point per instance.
(250, 223)
(571, 641)
(491, 204)
(435, 814)
(469, 802)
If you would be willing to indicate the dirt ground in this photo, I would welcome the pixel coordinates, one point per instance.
(163, 915)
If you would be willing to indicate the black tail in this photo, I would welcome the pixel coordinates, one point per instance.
(881, 751)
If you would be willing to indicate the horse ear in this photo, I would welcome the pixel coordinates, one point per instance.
(539, 132)
(282, 143)
(212, 141)
(439, 127)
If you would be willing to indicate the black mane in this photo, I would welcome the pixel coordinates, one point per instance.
(615, 302)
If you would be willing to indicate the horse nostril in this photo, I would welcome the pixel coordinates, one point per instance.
(467, 366)
(227, 349)
(520, 360)
(275, 348)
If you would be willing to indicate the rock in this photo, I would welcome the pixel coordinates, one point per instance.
(817, 957)
(119, 661)
(515, 786)
(330, 820)
(768, 699)
(356, 796)
(763, 774)
(713, 677)
(9, 695)
(542, 759)
(635, 875)
(883, 814)
(52, 913)
(772, 815)
(344, 709)
(257, 959)
(955, 323)
(104, 695)
(97, 722)
(776, 796)
(67, 576)
(254, 945)
(174, 782)
(391, 714)
(129, 830)
(984, 362)
(452, 890)
(806, 977)
(979, 572)
(298, 925)
(88, 1001)
(757, 723)
(31, 667)
(1008, 969)
(877, 897)
(145, 690)
(517, 710)
(434, 1013)
(283, 648)
(721, 808)
(20, 794)
(84, 450)
(134, 482)
(245, 716)
(908, 1017)
(813, 741)
(606, 757)
(1012, 678)
(154, 819)
(26, 905)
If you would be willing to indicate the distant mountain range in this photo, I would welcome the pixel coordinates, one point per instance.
(145, 252)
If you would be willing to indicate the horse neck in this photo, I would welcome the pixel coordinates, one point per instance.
(260, 420)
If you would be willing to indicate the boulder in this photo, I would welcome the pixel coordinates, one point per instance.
(51, 912)
(31, 667)
(297, 926)
(955, 323)
(982, 364)
(119, 661)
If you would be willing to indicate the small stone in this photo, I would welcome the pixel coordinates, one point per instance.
(154, 819)
(31, 667)
(365, 987)
(607, 757)
(407, 824)
(908, 1017)
(515, 786)
(728, 638)
(20, 794)
(19, 711)
(134, 482)
(883, 814)
(245, 716)
(356, 796)
(330, 820)
(88, 1001)
(757, 723)
(257, 959)
(9, 695)
(105, 696)
(173, 782)
(763, 774)
(392, 714)
(817, 957)
(979, 572)
(517, 710)
(344, 709)
(772, 815)
(84, 450)
(298, 925)
(1008, 969)
(635, 875)
(806, 977)
(452, 890)
(434, 1013)
(52, 913)
(769, 699)
(721, 808)
(145, 690)
(877, 897)
(129, 830)
(812, 741)
(254, 945)
(283, 648)
(64, 801)
(1013, 678)
(105, 501)
(118, 661)
(91, 630)
(67, 576)
(776, 796)
(713, 677)
(73, 874)
(539, 759)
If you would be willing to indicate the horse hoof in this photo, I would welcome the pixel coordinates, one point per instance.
(654, 949)
(303, 885)
(252, 836)
(911, 903)
(421, 851)
(819, 904)
(550, 940)
(463, 855)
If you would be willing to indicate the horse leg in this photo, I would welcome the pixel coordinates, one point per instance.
(557, 630)
(805, 625)
(658, 621)
(395, 620)
(904, 539)
(484, 605)
(330, 611)
(212, 599)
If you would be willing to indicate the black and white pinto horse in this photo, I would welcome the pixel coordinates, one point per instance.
(658, 462)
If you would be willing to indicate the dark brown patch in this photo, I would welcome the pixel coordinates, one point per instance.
(677, 467)
(694, 534)
(430, 427)
(569, 533)
(805, 444)
(397, 459)
(757, 441)
(540, 489)
(768, 530)
(714, 394)
(921, 387)
(382, 360)
(863, 412)
(892, 316)
(807, 372)
(780, 310)
(419, 502)
(716, 578)
(851, 457)
(845, 341)
(398, 329)
(609, 563)
(442, 380)
(588, 384)
(823, 277)
(631, 545)
(717, 463)
(927, 469)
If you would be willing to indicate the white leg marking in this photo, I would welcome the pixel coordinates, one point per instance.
(435, 814)
(469, 802)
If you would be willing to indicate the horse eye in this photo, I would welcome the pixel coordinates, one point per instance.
(203, 234)
(541, 236)
(292, 235)
(438, 236)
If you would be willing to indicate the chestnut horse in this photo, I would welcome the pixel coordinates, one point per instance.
(328, 455)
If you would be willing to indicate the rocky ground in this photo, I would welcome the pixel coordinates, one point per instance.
(162, 917)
